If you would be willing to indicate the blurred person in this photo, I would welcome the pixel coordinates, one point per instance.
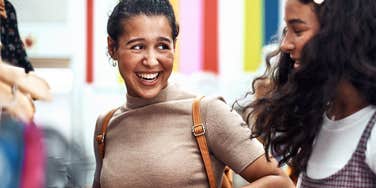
(319, 112)
(149, 140)
(36, 156)
(32, 155)
(12, 50)
(66, 162)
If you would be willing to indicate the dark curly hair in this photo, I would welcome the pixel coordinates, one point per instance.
(289, 117)
(126, 9)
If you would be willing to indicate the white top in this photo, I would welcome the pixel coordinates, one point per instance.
(337, 142)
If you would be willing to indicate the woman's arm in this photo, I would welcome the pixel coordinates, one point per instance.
(229, 139)
(263, 173)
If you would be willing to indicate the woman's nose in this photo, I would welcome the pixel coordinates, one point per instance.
(287, 46)
(150, 59)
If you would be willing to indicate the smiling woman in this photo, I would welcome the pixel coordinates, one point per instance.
(145, 54)
(149, 141)
(302, 25)
(320, 111)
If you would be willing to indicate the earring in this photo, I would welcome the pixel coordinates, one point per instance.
(113, 62)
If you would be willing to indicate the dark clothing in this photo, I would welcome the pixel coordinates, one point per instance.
(13, 50)
(355, 173)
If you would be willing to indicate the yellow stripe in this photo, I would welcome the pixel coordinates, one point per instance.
(119, 77)
(253, 34)
(175, 5)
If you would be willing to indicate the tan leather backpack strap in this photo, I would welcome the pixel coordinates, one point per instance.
(198, 130)
(101, 136)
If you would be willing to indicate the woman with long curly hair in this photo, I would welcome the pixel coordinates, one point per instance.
(319, 111)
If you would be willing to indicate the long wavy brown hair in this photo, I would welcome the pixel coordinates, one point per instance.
(289, 116)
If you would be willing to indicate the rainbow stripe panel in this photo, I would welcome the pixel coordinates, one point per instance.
(201, 45)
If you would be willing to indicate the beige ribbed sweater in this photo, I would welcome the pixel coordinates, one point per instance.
(149, 142)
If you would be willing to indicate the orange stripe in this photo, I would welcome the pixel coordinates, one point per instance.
(89, 41)
(210, 36)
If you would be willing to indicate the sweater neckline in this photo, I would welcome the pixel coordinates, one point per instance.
(170, 92)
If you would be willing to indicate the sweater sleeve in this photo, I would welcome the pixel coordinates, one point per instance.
(228, 135)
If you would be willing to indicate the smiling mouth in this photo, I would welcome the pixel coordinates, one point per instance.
(148, 76)
(296, 64)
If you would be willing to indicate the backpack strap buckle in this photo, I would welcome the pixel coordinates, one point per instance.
(100, 138)
(198, 130)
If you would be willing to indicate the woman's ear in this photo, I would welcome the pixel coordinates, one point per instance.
(112, 48)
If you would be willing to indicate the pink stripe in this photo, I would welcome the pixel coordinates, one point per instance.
(190, 38)
(33, 172)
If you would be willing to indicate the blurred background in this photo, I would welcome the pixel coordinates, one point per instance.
(220, 50)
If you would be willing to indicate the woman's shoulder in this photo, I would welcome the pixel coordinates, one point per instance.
(215, 107)
(110, 113)
(214, 103)
(371, 148)
(214, 100)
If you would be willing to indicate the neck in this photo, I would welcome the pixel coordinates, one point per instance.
(348, 100)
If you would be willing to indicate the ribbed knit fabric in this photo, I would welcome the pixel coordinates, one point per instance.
(149, 142)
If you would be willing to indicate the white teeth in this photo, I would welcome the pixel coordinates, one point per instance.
(148, 76)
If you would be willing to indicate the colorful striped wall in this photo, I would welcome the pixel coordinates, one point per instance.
(200, 38)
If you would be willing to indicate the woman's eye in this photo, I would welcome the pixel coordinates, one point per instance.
(298, 32)
(137, 47)
(163, 47)
(284, 31)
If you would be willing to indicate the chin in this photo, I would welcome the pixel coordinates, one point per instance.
(150, 94)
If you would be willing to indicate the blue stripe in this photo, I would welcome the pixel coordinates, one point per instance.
(271, 20)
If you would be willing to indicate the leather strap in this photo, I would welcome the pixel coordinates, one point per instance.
(198, 130)
(102, 135)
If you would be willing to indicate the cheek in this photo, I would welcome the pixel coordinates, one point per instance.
(303, 42)
(122, 71)
(127, 62)
(124, 66)
(126, 69)
(168, 61)
(310, 35)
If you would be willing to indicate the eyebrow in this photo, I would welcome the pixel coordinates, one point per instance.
(166, 39)
(134, 40)
(296, 21)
